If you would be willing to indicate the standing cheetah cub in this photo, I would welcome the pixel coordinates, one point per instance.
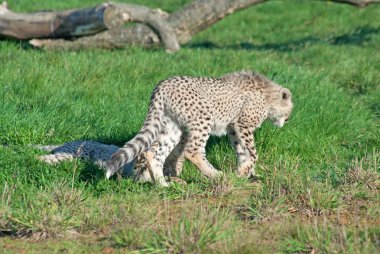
(190, 109)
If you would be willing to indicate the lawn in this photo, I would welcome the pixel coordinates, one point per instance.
(318, 176)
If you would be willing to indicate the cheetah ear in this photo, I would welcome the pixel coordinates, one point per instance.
(285, 93)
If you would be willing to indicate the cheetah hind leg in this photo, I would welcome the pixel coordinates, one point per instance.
(195, 151)
(174, 162)
(169, 137)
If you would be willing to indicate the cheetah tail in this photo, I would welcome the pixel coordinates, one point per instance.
(140, 143)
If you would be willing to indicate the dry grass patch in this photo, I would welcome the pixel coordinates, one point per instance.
(327, 238)
(53, 212)
(193, 233)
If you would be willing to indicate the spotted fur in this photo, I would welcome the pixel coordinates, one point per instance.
(99, 153)
(190, 109)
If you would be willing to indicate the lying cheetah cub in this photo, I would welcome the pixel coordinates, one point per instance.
(190, 109)
(95, 152)
(99, 153)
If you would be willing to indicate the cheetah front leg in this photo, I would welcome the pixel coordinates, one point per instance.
(241, 153)
(241, 137)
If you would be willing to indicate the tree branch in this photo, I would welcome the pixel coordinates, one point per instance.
(200, 14)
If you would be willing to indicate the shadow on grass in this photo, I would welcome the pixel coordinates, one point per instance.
(357, 37)
(91, 174)
(116, 140)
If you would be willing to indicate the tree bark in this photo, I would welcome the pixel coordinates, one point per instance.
(186, 22)
(81, 22)
(48, 24)
(358, 3)
(104, 24)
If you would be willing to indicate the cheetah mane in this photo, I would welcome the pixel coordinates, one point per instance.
(274, 93)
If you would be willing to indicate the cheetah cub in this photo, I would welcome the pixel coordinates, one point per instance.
(98, 154)
(185, 111)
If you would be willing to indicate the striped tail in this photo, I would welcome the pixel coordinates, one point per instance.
(140, 143)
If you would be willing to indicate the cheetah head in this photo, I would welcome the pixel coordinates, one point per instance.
(280, 106)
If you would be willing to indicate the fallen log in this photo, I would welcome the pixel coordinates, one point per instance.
(102, 26)
(62, 24)
(186, 22)
(70, 24)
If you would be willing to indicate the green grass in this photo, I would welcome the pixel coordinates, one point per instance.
(319, 176)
